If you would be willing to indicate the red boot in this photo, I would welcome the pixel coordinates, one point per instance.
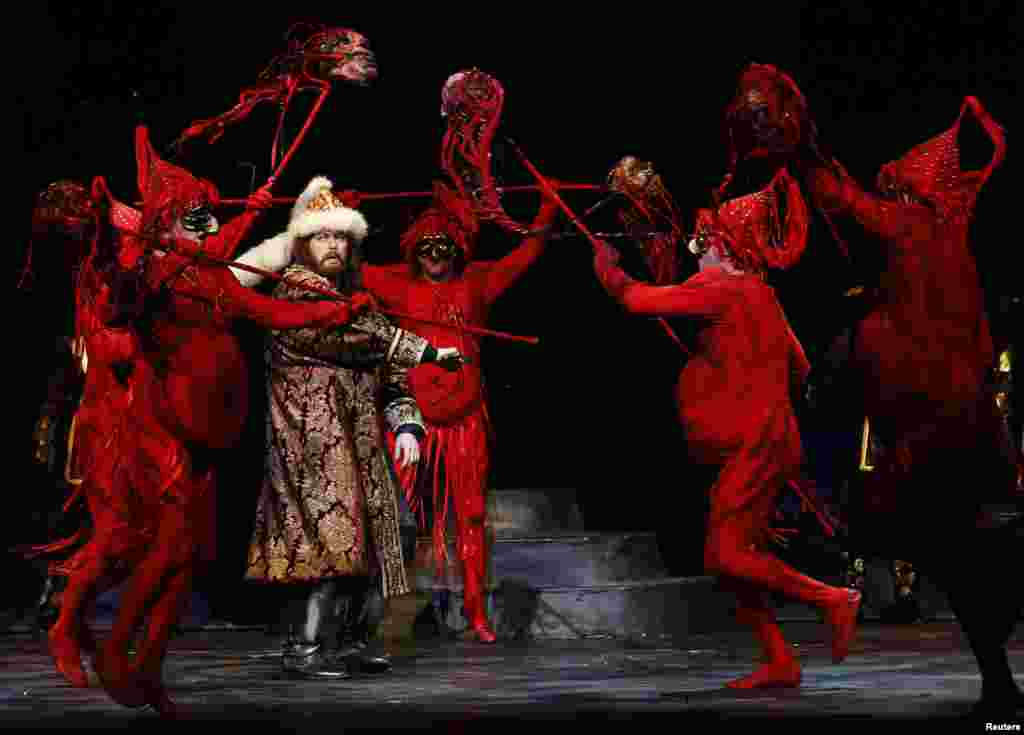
(474, 575)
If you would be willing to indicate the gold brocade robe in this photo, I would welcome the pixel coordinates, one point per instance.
(329, 503)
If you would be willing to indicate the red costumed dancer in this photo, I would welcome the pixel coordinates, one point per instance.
(166, 386)
(734, 397)
(922, 355)
(439, 281)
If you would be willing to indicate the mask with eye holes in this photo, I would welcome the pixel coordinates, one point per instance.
(199, 220)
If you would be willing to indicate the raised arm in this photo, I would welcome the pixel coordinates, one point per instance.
(834, 190)
(226, 241)
(501, 274)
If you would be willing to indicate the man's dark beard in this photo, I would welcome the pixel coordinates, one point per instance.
(349, 279)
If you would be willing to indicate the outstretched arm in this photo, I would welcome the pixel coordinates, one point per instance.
(216, 285)
(506, 271)
(685, 299)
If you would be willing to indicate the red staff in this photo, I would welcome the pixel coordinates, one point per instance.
(550, 191)
(422, 194)
(202, 257)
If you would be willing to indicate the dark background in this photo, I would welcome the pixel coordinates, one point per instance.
(591, 407)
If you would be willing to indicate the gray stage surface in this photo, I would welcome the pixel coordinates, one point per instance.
(911, 676)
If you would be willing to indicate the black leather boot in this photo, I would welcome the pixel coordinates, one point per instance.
(304, 654)
(358, 645)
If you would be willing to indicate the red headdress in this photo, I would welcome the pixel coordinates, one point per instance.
(168, 191)
(449, 215)
(753, 231)
(931, 171)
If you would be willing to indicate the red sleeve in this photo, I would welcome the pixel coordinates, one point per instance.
(217, 286)
(501, 274)
(889, 220)
(699, 296)
(226, 241)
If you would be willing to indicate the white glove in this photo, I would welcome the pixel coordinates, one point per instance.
(407, 449)
(450, 358)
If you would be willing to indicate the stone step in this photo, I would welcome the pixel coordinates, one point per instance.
(527, 511)
(655, 609)
(553, 560)
(666, 608)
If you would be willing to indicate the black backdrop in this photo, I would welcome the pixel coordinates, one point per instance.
(590, 407)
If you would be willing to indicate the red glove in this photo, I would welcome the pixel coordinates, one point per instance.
(363, 301)
(261, 198)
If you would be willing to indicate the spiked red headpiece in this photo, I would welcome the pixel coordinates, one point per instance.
(168, 191)
(931, 171)
(751, 229)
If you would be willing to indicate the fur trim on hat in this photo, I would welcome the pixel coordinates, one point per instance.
(340, 219)
(272, 255)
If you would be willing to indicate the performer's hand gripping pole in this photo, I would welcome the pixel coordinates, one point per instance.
(550, 191)
(338, 297)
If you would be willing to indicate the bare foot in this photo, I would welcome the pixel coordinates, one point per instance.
(777, 674)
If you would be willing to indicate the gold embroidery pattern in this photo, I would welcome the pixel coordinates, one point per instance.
(328, 505)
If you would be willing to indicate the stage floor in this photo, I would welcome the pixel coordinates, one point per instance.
(910, 674)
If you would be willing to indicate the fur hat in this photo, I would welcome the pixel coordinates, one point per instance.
(317, 208)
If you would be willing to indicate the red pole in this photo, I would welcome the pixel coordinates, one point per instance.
(338, 297)
(582, 228)
(369, 197)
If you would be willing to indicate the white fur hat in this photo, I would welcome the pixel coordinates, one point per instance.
(316, 208)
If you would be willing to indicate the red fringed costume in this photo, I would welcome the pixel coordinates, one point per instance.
(734, 398)
(453, 404)
(166, 384)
